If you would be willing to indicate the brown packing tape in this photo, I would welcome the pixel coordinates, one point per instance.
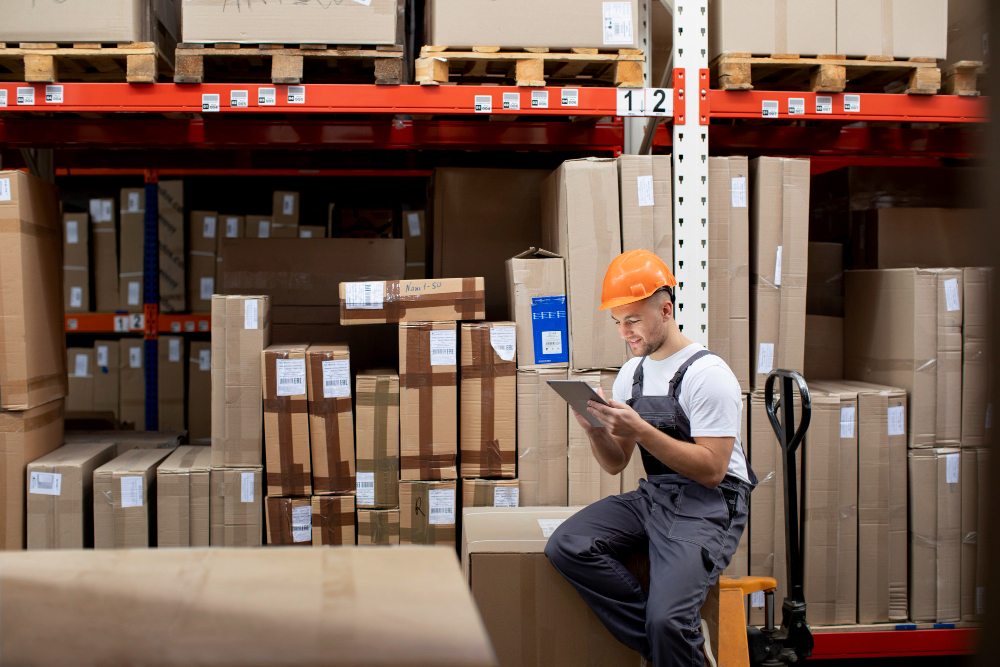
(188, 459)
(279, 512)
(467, 303)
(18, 226)
(386, 468)
(292, 478)
(481, 494)
(334, 515)
(40, 421)
(486, 366)
(341, 481)
(420, 375)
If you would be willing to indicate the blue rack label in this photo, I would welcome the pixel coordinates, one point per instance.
(548, 329)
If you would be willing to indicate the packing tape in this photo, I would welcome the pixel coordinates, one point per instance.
(381, 528)
(187, 461)
(292, 478)
(419, 375)
(50, 416)
(469, 304)
(338, 454)
(383, 465)
(17, 226)
(487, 460)
(480, 492)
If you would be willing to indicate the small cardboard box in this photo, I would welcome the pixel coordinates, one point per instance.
(173, 287)
(378, 527)
(125, 500)
(236, 507)
(333, 521)
(81, 379)
(377, 401)
(289, 521)
(896, 28)
(105, 241)
(331, 422)
(490, 493)
(428, 400)
(489, 400)
(131, 250)
(427, 512)
(200, 391)
(182, 498)
(170, 383)
(107, 376)
(132, 382)
(76, 262)
(536, 293)
(382, 302)
(588, 482)
(286, 421)
(542, 438)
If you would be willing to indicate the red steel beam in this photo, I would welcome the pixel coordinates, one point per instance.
(893, 643)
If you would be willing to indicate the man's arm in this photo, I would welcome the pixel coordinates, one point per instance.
(612, 453)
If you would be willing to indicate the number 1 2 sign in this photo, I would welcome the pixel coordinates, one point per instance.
(645, 102)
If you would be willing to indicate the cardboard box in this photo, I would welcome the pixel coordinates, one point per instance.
(536, 293)
(170, 383)
(779, 226)
(236, 506)
(125, 500)
(173, 287)
(542, 440)
(490, 493)
(427, 512)
(415, 235)
(968, 31)
(126, 441)
(289, 521)
(897, 28)
(285, 215)
(60, 488)
(739, 565)
(286, 421)
(489, 400)
(580, 222)
(763, 452)
(825, 279)
(204, 239)
(76, 262)
(385, 302)
(977, 357)
(132, 250)
(230, 227)
(983, 530)
(107, 377)
(102, 21)
(199, 394)
(935, 535)
(377, 445)
(890, 238)
(428, 400)
(80, 361)
(969, 531)
(373, 23)
(105, 241)
(362, 223)
(32, 361)
(646, 206)
(331, 421)
(824, 350)
(517, 23)
(132, 382)
(766, 27)
(949, 357)
(534, 617)
(182, 498)
(313, 232)
(324, 601)
(371, 347)
(588, 482)
(260, 267)
(258, 226)
(333, 521)
(729, 265)
(241, 329)
(378, 527)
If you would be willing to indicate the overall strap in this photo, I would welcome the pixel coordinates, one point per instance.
(675, 382)
(637, 380)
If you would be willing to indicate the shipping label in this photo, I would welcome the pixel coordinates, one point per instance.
(336, 378)
(549, 331)
(442, 506)
(291, 376)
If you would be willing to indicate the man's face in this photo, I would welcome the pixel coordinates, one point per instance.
(643, 324)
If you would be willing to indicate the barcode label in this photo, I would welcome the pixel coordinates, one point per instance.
(76, 297)
(131, 491)
(250, 314)
(896, 415)
(204, 360)
(288, 205)
(102, 355)
(210, 102)
(26, 96)
(5, 189)
(769, 109)
(133, 202)
(135, 357)
(266, 97)
(239, 98)
(852, 103)
(617, 22)
(644, 186)
(207, 288)
(483, 104)
(824, 104)
(570, 97)
(366, 488)
(302, 523)
(365, 295)
(3, 97)
(45, 483)
(336, 378)
(296, 94)
(552, 342)
(246, 487)
(442, 506)
(512, 100)
(133, 293)
(503, 341)
(549, 526)
(539, 99)
(796, 106)
(208, 227)
(232, 228)
(291, 376)
(54, 94)
(174, 349)
(443, 348)
(505, 496)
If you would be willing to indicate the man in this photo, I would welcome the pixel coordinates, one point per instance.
(681, 405)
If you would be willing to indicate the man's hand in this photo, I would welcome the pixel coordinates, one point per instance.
(620, 420)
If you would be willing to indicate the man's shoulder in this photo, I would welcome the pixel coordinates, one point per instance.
(715, 370)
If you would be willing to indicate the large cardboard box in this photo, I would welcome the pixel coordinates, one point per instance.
(289, 521)
(333, 521)
(199, 396)
(378, 527)
(132, 250)
(170, 383)
(94, 21)
(969, 475)
(331, 422)
(132, 382)
(536, 295)
(588, 482)
(542, 440)
(377, 442)
(581, 223)
(173, 287)
(107, 376)
(739, 565)
(977, 357)
(764, 455)
(203, 236)
(890, 238)
(825, 279)
(766, 27)
(374, 22)
(76, 262)
(236, 507)
(125, 500)
(489, 400)
(824, 349)
(935, 535)
(521, 23)
(105, 242)
(490, 493)
(385, 302)
(428, 400)
(896, 28)
(60, 503)
(293, 607)
(534, 617)
(286, 421)
(241, 329)
(80, 397)
(415, 235)
(427, 512)
(729, 265)
(779, 227)
(126, 441)
(182, 497)
(646, 206)
(949, 357)
(32, 362)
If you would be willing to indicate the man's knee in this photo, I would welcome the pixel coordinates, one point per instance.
(556, 550)
(666, 622)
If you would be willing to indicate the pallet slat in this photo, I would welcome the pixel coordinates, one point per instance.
(135, 62)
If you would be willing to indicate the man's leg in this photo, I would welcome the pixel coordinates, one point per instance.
(587, 549)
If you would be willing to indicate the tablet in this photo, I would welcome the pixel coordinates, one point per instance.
(577, 393)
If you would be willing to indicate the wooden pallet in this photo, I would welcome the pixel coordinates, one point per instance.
(285, 64)
(962, 78)
(530, 66)
(826, 74)
(135, 62)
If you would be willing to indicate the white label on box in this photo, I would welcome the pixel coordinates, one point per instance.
(80, 367)
(174, 349)
(951, 301)
(266, 97)
(204, 360)
(796, 106)
(442, 506)
(512, 100)
(629, 102)
(413, 222)
(250, 314)
(102, 355)
(45, 483)
(617, 22)
(757, 599)
(505, 496)
(658, 102)
(366, 488)
(951, 463)
(264, 229)
(539, 99)
(569, 97)
(239, 99)
(133, 292)
(135, 357)
(76, 297)
(26, 96)
(296, 94)
(232, 227)
(777, 267)
(133, 202)
(765, 358)
(131, 491)
(97, 210)
(549, 526)
(54, 94)
(847, 422)
(305, 234)
(302, 523)
(483, 104)
(106, 213)
(72, 232)
(645, 186)
(443, 348)
(291, 377)
(738, 191)
(210, 102)
(552, 342)
(824, 104)
(5, 189)
(365, 295)
(502, 340)
(896, 416)
(769, 109)
(336, 378)
(366, 3)
(246, 486)
(288, 205)
(208, 227)
(207, 288)
(981, 590)
(3, 97)
(852, 103)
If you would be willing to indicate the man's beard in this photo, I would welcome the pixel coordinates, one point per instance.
(650, 346)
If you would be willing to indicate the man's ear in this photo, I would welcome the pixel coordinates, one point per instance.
(668, 309)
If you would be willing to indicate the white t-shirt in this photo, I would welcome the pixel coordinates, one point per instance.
(710, 396)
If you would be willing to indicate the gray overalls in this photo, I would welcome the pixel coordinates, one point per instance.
(689, 531)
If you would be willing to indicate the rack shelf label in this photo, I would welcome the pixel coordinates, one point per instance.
(483, 104)
(266, 97)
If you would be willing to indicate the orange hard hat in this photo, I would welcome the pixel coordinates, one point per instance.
(633, 276)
